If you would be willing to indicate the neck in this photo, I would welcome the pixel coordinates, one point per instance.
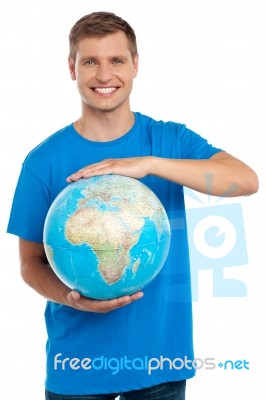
(104, 126)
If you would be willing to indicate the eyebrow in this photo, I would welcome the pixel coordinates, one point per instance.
(119, 57)
(85, 58)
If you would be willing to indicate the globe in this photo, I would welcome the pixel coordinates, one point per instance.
(106, 236)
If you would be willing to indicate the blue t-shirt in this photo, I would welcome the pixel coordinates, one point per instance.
(149, 341)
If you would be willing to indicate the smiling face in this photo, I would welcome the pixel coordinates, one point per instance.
(104, 71)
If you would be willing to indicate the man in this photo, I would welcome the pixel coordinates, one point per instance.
(102, 349)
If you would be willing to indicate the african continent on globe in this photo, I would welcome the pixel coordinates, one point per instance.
(106, 236)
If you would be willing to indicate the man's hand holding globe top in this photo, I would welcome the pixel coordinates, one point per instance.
(115, 239)
(135, 167)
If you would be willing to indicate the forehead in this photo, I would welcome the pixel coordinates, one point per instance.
(110, 44)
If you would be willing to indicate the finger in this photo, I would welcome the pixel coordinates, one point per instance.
(73, 296)
(103, 306)
(100, 168)
(137, 296)
(122, 301)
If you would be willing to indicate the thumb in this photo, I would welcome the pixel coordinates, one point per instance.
(73, 296)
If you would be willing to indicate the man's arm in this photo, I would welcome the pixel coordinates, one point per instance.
(221, 175)
(37, 273)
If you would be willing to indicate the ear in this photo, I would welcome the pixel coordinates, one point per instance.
(135, 65)
(71, 66)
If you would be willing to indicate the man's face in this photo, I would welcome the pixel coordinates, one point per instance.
(104, 71)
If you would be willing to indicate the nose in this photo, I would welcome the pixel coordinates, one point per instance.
(104, 72)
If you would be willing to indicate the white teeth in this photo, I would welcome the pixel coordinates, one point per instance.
(105, 89)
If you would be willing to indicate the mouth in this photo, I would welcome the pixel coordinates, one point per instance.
(105, 90)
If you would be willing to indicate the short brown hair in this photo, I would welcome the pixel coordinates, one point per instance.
(100, 23)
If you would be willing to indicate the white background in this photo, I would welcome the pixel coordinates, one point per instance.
(201, 63)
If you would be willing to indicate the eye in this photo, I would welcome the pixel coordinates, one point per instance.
(89, 62)
(117, 61)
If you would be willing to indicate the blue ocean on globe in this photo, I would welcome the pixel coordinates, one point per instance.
(106, 236)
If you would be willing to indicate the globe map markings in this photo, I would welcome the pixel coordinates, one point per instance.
(121, 223)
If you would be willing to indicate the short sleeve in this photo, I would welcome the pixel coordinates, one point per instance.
(30, 205)
(194, 146)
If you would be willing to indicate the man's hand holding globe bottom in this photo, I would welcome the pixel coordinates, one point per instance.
(83, 303)
(124, 242)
